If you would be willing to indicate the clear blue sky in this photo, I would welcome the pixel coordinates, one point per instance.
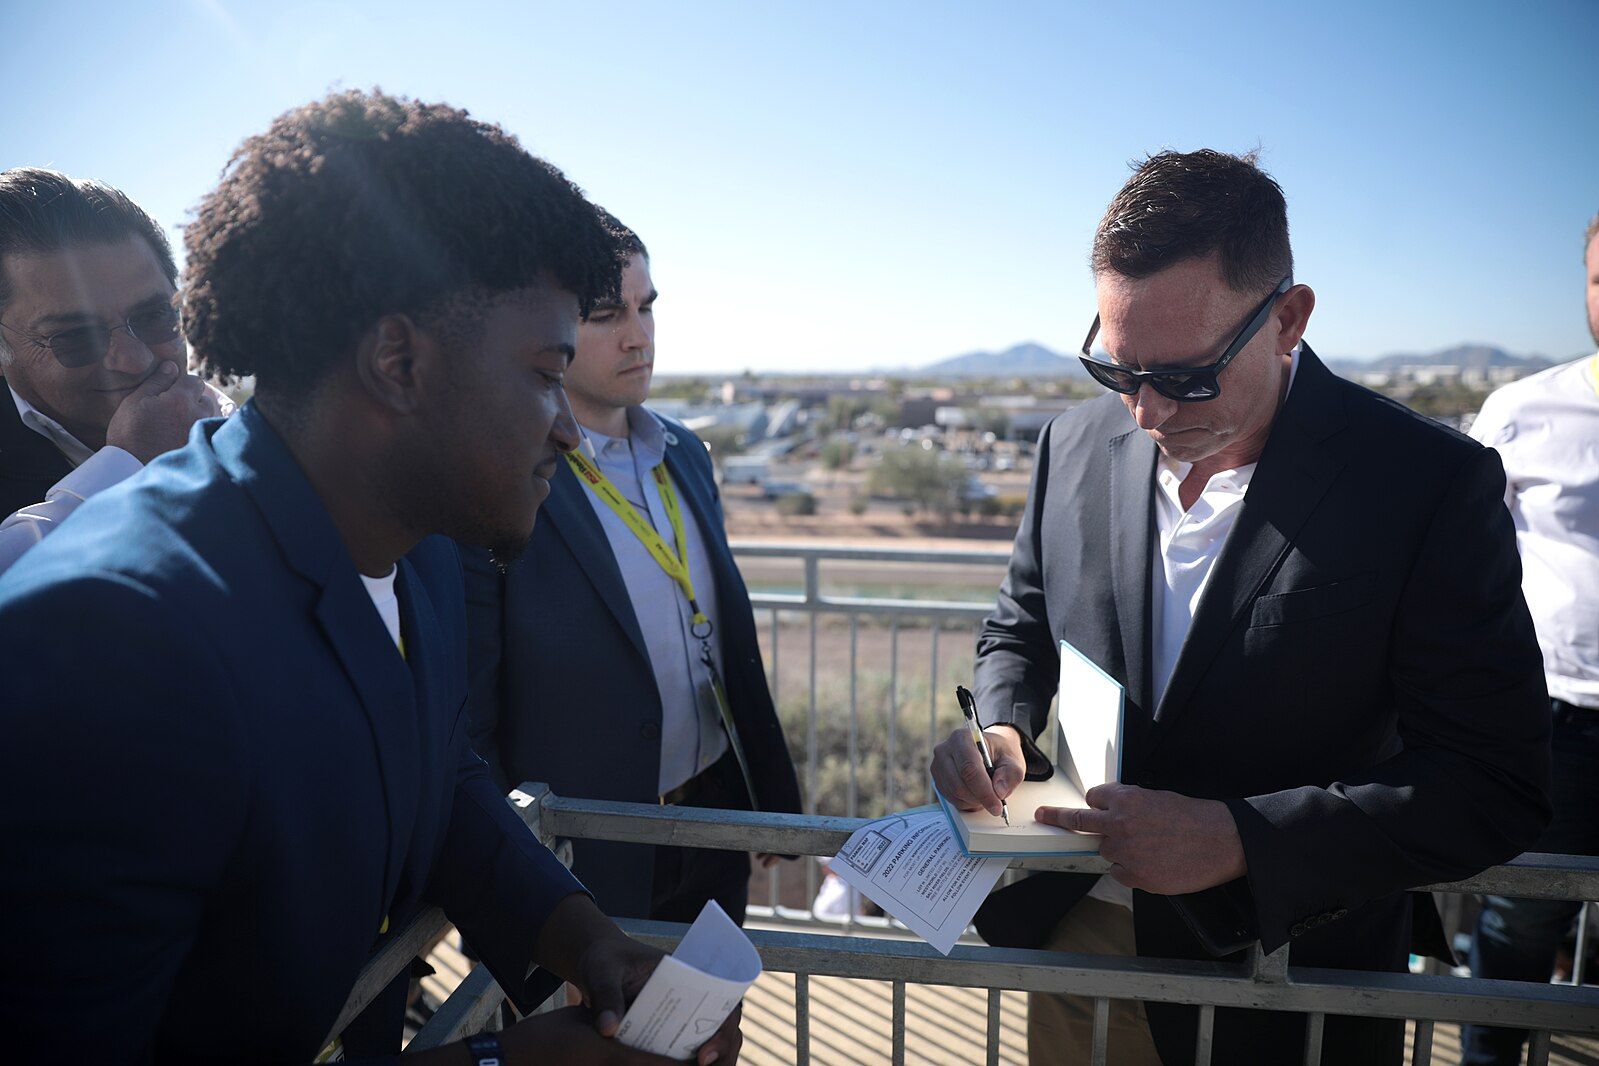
(838, 186)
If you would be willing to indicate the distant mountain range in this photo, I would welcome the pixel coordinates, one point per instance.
(1030, 359)
(1025, 360)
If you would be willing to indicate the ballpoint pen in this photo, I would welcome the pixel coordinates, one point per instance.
(969, 709)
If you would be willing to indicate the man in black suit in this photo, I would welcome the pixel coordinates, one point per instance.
(1312, 597)
(589, 637)
(90, 348)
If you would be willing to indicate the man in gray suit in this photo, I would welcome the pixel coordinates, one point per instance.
(1312, 596)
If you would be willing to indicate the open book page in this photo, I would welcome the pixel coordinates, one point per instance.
(1090, 716)
(693, 990)
(1088, 741)
(912, 866)
(984, 834)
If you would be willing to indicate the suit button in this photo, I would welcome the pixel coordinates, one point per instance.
(650, 731)
(1297, 929)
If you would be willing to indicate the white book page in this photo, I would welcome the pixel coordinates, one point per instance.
(1090, 714)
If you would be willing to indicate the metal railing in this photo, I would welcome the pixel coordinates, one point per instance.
(1266, 982)
(809, 608)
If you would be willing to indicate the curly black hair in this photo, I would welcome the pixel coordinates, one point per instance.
(364, 204)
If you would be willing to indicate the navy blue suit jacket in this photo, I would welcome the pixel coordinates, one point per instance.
(219, 776)
(557, 652)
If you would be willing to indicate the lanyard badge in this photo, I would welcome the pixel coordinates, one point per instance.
(675, 566)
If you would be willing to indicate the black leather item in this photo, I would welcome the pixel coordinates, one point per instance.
(1360, 685)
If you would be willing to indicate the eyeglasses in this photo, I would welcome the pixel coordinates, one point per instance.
(1185, 384)
(86, 345)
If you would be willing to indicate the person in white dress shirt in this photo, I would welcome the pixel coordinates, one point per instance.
(90, 347)
(1546, 429)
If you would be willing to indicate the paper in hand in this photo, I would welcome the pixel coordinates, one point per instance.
(694, 989)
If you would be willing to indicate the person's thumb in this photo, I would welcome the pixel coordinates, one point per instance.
(1008, 773)
(607, 1002)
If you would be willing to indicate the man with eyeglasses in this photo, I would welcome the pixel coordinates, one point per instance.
(90, 348)
(1312, 598)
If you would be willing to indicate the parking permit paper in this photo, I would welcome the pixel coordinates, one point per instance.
(694, 989)
(912, 866)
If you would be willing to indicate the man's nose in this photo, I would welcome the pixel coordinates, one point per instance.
(635, 338)
(565, 432)
(128, 355)
(1151, 409)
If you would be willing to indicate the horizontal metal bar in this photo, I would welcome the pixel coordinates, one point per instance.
(872, 606)
(464, 1014)
(1534, 876)
(1308, 990)
(798, 550)
(381, 968)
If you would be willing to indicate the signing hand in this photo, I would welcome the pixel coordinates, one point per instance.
(959, 774)
(1160, 842)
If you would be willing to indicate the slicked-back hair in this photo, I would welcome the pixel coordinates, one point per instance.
(1188, 205)
(626, 239)
(44, 211)
(362, 205)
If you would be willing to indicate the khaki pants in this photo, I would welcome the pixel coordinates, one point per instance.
(1060, 1029)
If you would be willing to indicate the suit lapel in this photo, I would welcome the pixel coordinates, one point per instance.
(572, 516)
(1295, 471)
(1131, 533)
(258, 460)
(373, 663)
(702, 510)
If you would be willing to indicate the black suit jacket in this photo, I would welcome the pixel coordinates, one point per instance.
(29, 464)
(1361, 684)
(562, 690)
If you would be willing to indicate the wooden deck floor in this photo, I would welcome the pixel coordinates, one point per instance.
(851, 1022)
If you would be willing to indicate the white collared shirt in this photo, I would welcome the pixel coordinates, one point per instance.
(94, 471)
(1186, 546)
(692, 737)
(1546, 430)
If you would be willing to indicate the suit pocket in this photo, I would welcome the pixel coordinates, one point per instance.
(1322, 601)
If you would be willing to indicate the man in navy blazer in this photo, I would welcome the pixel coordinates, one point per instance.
(236, 752)
(587, 639)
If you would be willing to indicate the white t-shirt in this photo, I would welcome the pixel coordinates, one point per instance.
(381, 589)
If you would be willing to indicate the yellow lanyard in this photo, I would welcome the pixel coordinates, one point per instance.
(675, 565)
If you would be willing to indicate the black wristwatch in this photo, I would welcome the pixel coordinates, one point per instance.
(485, 1049)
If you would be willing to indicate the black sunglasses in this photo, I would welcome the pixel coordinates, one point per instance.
(1183, 384)
(86, 345)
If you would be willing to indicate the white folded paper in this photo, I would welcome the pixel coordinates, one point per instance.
(912, 866)
(694, 989)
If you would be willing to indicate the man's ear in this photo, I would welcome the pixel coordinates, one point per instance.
(387, 362)
(1293, 315)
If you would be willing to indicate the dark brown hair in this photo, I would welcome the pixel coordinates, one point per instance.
(362, 205)
(46, 211)
(1186, 205)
